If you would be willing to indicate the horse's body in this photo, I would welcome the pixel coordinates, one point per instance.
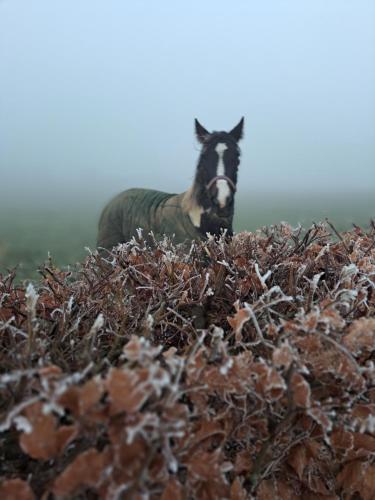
(207, 207)
(155, 211)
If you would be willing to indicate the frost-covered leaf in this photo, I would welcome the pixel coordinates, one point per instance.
(361, 336)
(128, 390)
(282, 357)
(237, 322)
(44, 439)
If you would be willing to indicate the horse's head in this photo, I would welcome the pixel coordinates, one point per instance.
(216, 177)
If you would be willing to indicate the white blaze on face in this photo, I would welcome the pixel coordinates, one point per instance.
(223, 189)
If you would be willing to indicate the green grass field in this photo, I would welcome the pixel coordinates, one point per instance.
(28, 234)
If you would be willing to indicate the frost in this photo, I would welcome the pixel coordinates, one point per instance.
(7, 423)
(64, 383)
(226, 367)
(16, 376)
(263, 278)
(52, 407)
(56, 311)
(150, 321)
(3, 297)
(348, 271)
(31, 300)
(368, 425)
(217, 332)
(159, 379)
(98, 323)
(23, 424)
(148, 420)
(223, 263)
(172, 464)
(301, 270)
(70, 304)
(325, 250)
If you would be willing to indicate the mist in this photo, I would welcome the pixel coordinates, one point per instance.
(96, 97)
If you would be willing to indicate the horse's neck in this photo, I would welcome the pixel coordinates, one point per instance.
(191, 207)
(204, 219)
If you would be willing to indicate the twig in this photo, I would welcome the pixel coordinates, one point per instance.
(369, 248)
(339, 236)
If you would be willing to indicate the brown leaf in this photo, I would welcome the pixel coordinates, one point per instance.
(238, 320)
(364, 417)
(298, 460)
(89, 395)
(368, 486)
(127, 389)
(301, 391)
(269, 383)
(204, 471)
(243, 462)
(133, 348)
(173, 490)
(45, 440)
(320, 417)
(266, 490)
(50, 371)
(317, 483)
(272, 489)
(234, 379)
(129, 459)
(351, 477)
(364, 441)
(282, 356)
(206, 431)
(341, 439)
(84, 400)
(16, 489)
(361, 336)
(86, 470)
(312, 495)
(137, 349)
(362, 412)
(69, 399)
(158, 471)
(237, 492)
(204, 465)
(371, 395)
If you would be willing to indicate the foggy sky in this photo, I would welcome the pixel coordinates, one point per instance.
(98, 96)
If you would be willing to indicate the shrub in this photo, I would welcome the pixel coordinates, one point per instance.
(225, 370)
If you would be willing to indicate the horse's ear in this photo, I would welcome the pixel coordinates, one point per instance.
(237, 131)
(200, 132)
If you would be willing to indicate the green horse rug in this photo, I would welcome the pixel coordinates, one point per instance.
(207, 207)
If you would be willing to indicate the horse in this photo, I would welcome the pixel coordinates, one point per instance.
(206, 207)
